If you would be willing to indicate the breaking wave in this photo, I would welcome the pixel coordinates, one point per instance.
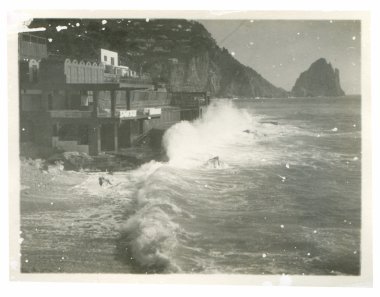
(190, 144)
(150, 234)
(157, 193)
(155, 196)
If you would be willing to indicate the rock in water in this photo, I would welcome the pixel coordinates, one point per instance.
(215, 163)
(321, 79)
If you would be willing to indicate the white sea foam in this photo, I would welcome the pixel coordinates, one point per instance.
(151, 237)
(190, 144)
(150, 234)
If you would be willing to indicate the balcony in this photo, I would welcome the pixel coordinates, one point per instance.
(75, 114)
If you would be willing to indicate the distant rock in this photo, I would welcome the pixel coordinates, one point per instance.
(321, 79)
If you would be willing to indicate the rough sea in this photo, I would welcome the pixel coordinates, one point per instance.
(283, 196)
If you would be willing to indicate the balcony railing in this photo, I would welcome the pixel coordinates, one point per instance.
(122, 114)
(143, 80)
(189, 102)
(109, 77)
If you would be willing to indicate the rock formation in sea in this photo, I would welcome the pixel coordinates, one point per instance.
(321, 79)
(181, 53)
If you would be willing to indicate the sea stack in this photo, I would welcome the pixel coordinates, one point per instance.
(321, 79)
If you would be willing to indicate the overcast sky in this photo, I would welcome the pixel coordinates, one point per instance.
(281, 49)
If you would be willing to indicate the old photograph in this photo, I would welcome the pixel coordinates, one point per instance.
(190, 146)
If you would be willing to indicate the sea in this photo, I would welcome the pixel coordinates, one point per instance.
(256, 186)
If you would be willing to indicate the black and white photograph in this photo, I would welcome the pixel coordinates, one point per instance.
(196, 146)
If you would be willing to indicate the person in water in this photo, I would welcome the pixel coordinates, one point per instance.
(103, 180)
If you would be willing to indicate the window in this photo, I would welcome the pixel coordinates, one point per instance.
(105, 58)
(90, 96)
(84, 100)
(112, 61)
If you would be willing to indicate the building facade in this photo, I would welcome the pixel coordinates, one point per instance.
(90, 107)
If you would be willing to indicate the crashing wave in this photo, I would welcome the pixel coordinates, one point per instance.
(149, 235)
(148, 238)
(192, 144)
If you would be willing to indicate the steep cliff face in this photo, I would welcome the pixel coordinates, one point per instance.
(179, 52)
(321, 79)
(216, 75)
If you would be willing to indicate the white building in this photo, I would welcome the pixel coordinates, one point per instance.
(111, 60)
(109, 57)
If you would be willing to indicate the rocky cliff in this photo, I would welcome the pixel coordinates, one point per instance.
(321, 79)
(179, 52)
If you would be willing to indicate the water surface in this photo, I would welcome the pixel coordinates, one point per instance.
(283, 198)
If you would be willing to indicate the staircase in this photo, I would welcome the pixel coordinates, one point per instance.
(138, 141)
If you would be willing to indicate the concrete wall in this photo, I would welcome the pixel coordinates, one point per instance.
(169, 117)
(69, 145)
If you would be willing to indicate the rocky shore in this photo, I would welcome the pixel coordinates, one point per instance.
(47, 158)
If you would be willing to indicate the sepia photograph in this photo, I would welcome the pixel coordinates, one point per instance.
(196, 146)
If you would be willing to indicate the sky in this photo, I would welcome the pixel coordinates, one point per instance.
(281, 49)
